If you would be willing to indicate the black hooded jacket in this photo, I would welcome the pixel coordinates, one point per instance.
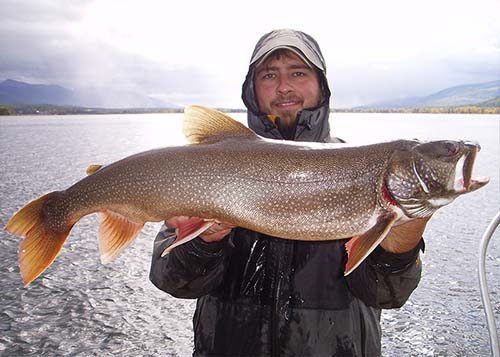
(264, 296)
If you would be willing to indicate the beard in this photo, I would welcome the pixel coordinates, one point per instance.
(287, 117)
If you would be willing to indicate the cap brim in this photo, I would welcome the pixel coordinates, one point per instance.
(284, 47)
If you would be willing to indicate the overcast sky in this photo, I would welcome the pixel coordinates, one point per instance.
(197, 52)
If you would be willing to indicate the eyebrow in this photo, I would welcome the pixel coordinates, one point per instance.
(276, 68)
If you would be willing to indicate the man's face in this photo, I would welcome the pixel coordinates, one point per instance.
(285, 85)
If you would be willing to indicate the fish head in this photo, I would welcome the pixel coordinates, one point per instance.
(429, 175)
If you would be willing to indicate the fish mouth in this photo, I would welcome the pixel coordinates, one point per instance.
(464, 182)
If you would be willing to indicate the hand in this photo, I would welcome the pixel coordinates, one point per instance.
(217, 232)
(405, 237)
(213, 234)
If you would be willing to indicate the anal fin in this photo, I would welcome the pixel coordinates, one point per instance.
(116, 232)
(188, 230)
(359, 247)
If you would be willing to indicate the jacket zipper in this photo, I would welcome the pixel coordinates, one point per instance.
(275, 311)
(279, 305)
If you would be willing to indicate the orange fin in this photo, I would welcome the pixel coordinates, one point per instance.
(205, 125)
(187, 231)
(116, 232)
(41, 244)
(359, 247)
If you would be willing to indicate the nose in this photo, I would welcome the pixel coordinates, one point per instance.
(284, 86)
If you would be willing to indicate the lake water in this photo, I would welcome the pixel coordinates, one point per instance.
(79, 307)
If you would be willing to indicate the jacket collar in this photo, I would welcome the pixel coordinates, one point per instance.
(312, 125)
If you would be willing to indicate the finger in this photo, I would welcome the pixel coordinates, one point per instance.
(225, 224)
(214, 237)
(217, 227)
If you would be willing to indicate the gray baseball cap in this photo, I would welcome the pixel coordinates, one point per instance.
(296, 41)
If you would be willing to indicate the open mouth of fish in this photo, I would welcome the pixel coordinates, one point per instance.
(463, 181)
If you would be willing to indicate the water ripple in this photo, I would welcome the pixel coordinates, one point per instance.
(79, 307)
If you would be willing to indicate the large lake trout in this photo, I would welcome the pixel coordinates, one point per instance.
(290, 190)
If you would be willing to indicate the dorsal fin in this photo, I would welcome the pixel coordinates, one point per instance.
(93, 169)
(205, 125)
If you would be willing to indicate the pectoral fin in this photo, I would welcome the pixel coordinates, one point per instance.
(116, 232)
(187, 231)
(359, 247)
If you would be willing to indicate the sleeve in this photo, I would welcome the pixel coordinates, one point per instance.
(190, 270)
(386, 280)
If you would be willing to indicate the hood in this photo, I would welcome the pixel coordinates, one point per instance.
(312, 123)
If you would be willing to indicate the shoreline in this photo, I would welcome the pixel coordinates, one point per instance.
(18, 110)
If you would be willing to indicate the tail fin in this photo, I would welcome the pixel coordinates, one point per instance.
(41, 244)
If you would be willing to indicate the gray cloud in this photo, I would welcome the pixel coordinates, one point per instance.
(38, 46)
(363, 85)
(43, 42)
(42, 11)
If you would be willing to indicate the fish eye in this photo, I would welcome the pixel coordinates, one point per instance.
(451, 148)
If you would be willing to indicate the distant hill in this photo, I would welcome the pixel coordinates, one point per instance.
(467, 94)
(494, 102)
(15, 93)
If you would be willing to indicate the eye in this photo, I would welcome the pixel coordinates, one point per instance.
(299, 74)
(451, 148)
(269, 76)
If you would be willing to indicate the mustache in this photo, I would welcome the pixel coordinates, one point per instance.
(286, 98)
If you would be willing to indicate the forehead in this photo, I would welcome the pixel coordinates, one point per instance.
(282, 55)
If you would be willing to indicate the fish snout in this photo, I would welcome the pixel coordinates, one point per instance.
(472, 145)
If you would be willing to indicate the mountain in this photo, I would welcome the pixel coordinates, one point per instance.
(494, 102)
(16, 92)
(467, 94)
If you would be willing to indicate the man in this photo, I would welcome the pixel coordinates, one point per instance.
(262, 296)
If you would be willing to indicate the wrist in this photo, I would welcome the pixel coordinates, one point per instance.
(389, 262)
(405, 237)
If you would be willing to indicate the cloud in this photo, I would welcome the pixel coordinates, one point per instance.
(42, 11)
(47, 51)
(190, 53)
